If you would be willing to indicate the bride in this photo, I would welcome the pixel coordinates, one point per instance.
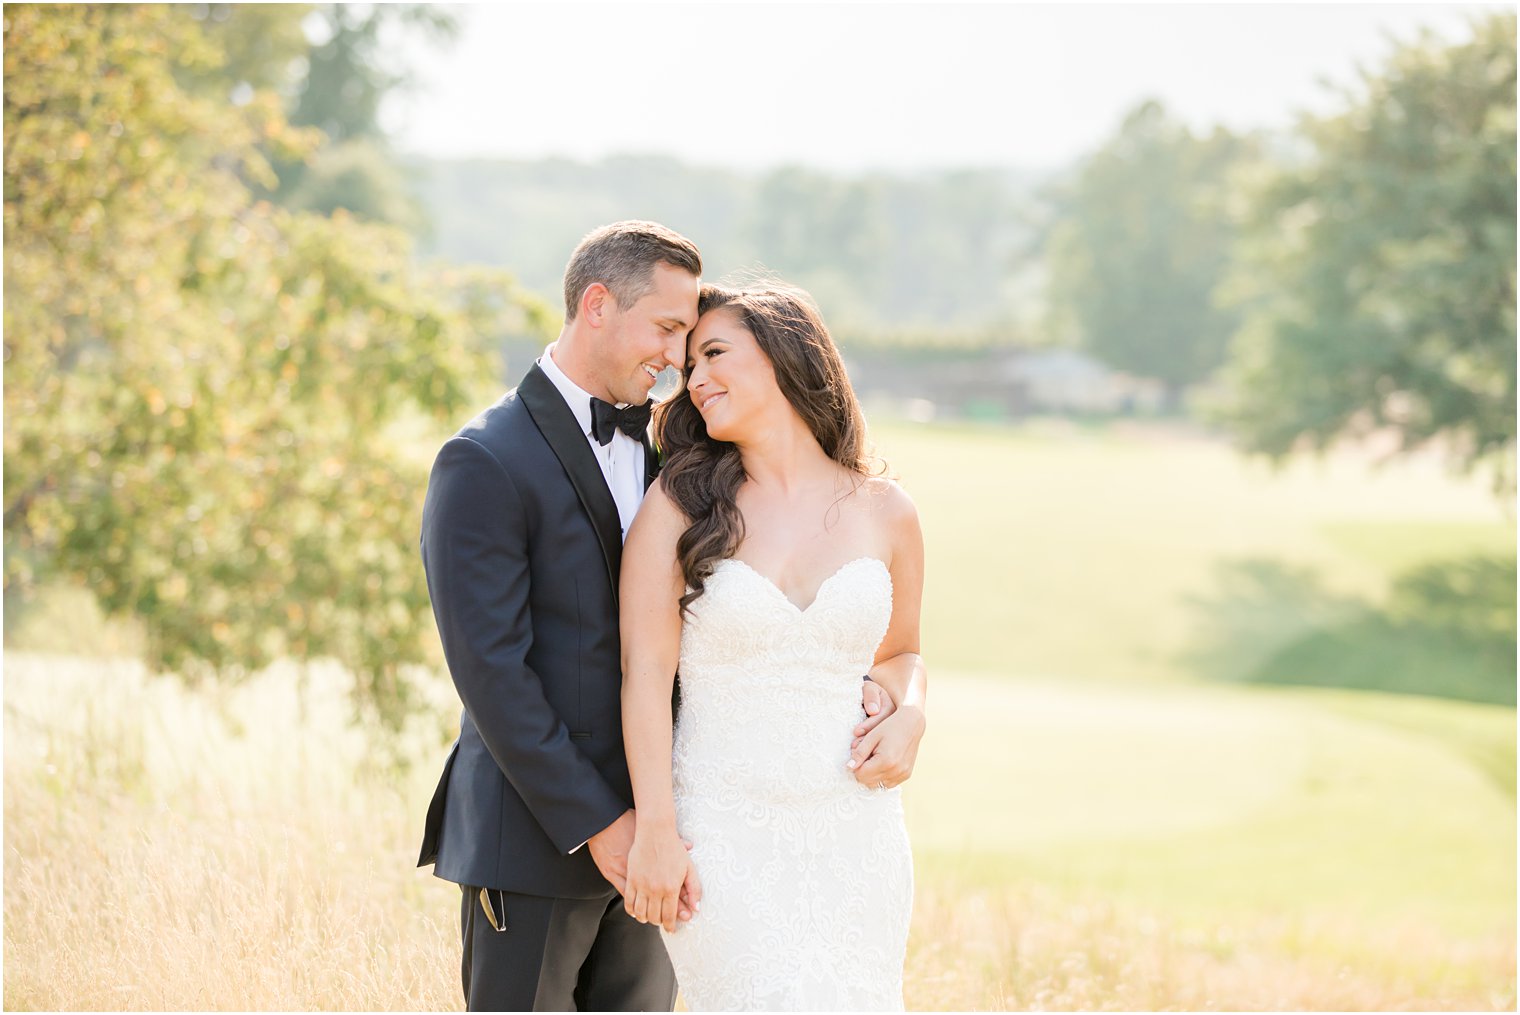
(773, 569)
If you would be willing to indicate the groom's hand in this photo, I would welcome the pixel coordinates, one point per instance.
(609, 850)
(691, 893)
(877, 704)
(885, 756)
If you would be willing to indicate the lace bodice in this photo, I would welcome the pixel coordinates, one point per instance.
(841, 626)
(790, 676)
(806, 873)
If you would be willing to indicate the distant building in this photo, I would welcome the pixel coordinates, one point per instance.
(1069, 381)
(1003, 383)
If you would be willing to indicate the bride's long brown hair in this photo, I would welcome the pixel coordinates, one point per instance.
(703, 475)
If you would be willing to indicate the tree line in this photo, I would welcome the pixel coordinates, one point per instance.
(929, 259)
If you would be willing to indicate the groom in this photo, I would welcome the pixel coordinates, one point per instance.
(522, 536)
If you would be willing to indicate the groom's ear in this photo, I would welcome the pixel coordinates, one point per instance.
(596, 302)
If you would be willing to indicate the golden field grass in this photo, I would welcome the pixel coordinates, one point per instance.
(168, 848)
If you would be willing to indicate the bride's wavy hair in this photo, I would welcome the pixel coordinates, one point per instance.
(703, 475)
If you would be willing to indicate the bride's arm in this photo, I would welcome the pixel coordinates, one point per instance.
(887, 751)
(650, 590)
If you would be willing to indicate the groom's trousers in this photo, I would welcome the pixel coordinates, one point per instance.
(561, 955)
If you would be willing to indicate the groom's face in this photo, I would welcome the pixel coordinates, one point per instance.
(649, 336)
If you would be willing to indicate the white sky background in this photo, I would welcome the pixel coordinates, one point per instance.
(856, 86)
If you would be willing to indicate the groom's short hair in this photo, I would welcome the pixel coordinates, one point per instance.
(622, 257)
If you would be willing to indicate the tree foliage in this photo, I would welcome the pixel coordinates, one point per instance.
(208, 398)
(1378, 280)
(347, 76)
(1139, 242)
(333, 65)
(348, 71)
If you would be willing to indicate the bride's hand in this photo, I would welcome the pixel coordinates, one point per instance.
(662, 881)
(885, 756)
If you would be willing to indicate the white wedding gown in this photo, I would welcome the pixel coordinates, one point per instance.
(807, 877)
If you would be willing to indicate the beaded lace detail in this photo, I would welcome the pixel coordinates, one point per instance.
(807, 875)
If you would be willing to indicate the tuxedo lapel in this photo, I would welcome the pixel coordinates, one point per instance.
(559, 427)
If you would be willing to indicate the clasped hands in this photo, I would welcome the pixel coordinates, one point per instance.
(652, 870)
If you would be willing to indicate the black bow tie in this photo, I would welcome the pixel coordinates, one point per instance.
(607, 418)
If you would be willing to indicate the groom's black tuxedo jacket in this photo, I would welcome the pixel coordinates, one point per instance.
(522, 544)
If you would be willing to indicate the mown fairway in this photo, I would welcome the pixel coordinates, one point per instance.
(1097, 822)
(1129, 555)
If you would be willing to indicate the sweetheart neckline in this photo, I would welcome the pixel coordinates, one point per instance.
(802, 611)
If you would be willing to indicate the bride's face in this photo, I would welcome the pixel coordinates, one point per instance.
(731, 381)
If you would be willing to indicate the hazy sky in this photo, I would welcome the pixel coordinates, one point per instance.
(896, 86)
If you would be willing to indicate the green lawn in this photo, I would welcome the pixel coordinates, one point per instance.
(1306, 804)
(1110, 619)
(1126, 555)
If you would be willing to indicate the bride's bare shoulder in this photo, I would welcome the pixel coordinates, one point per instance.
(887, 497)
(658, 495)
(892, 513)
(659, 513)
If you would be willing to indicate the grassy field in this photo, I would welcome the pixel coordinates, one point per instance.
(1076, 848)
(1130, 555)
(1102, 817)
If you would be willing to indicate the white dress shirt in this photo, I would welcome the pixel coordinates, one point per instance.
(621, 459)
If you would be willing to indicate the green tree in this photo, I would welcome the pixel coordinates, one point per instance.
(261, 47)
(349, 71)
(1139, 242)
(332, 65)
(212, 404)
(348, 74)
(1378, 278)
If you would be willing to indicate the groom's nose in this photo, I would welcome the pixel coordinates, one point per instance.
(675, 349)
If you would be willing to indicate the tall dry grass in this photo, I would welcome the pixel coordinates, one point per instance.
(1026, 948)
(252, 848)
(168, 849)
